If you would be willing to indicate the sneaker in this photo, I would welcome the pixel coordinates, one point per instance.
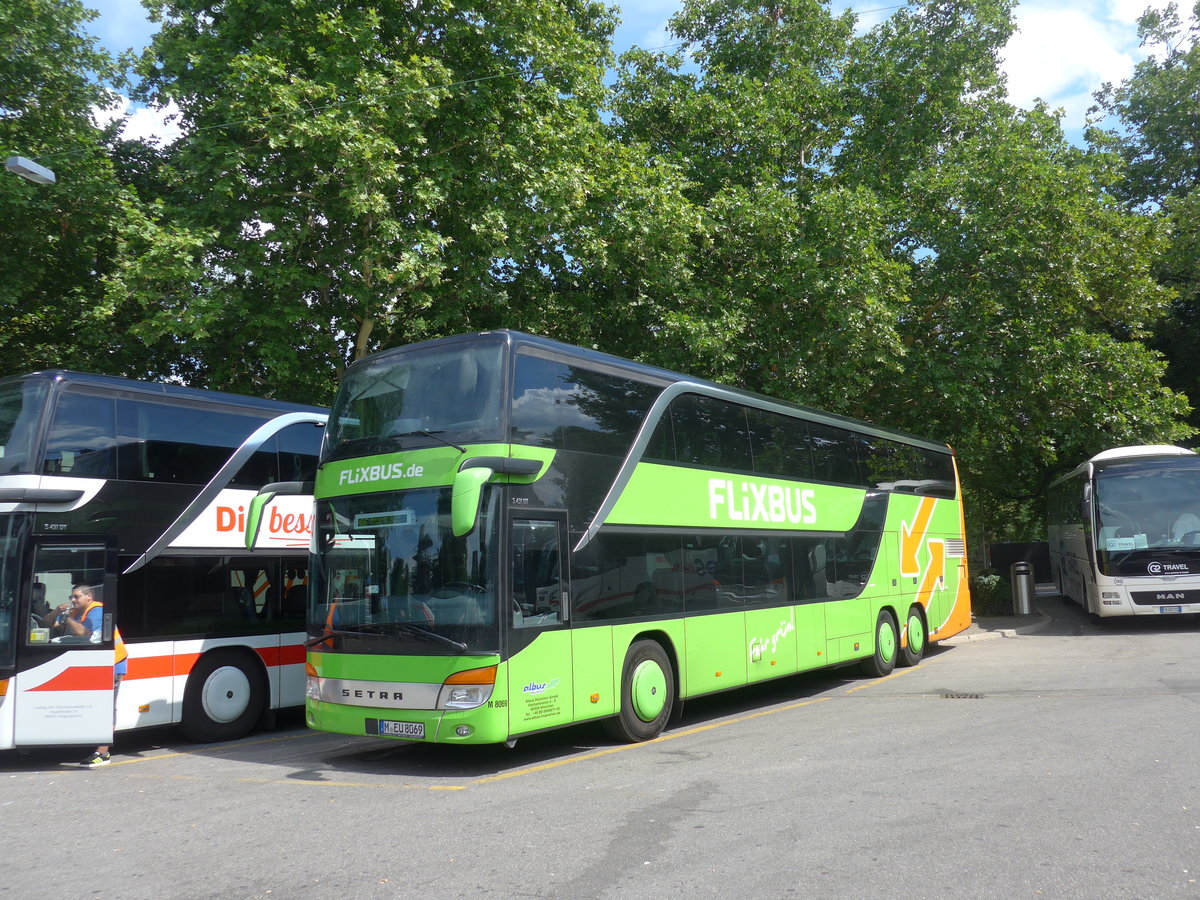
(96, 759)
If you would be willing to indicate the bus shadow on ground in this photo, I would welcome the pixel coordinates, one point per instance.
(457, 763)
(315, 756)
(1068, 619)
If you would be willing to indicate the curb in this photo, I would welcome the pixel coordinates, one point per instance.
(982, 631)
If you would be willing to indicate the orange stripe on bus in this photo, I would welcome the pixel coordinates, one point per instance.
(911, 538)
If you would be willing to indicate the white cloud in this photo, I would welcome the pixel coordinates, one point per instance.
(1064, 52)
(144, 123)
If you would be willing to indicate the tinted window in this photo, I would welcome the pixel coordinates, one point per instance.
(536, 576)
(83, 438)
(182, 596)
(187, 443)
(21, 404)
(624, 575)
(452, 391)
(298, 446)
(571, 408)
(880, 461)
(712, 433)
(835, 456)
(662, 441)
(737, 573)
(780, 445)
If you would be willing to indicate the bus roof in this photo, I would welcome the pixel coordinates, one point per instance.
(653, 374)
(117, 383)
(1117, 455)
(1139, 451)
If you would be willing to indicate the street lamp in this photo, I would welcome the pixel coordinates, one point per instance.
(29, 170)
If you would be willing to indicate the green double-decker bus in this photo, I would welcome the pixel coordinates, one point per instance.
(514, 534)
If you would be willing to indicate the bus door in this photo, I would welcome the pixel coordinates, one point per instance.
(63, 689)
(539, 665)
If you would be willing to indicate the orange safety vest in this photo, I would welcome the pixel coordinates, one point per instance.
(119, 651)
(329, 623)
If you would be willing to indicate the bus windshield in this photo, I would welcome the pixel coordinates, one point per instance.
(1152, 507)
(22, 404)
(443, 395)
(395, 579)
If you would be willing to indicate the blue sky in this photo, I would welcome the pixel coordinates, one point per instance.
(1063, 51)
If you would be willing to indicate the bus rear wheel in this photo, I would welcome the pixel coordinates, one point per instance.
(887, 643)
(647, 694)
(226, 694)
(915, 638)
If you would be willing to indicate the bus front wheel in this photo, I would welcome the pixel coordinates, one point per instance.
(647, 694)
(226, 694)
(887, 644)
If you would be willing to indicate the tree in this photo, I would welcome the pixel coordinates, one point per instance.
(1032, 295)
(789, 289)
(1159, 109)
(62, 240)
(885, 237)
(357, 176)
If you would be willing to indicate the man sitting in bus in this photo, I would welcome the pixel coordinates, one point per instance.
(81, 618)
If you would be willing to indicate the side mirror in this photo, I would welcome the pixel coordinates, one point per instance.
(465, 498)
(254, 516)
(266, 494)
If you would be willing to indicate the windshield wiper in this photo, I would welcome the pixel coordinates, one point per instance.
(417, 631)
(431, 434)
(385, 627)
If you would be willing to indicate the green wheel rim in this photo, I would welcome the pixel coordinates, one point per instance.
(916, 634)
(648, 690)
(887, 641)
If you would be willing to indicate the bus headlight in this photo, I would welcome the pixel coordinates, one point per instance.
(467, 690)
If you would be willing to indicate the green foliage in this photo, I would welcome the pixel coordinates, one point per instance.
(356, 177)
(1160, 111)
(991, 595)
(61, 240)
(883, 236)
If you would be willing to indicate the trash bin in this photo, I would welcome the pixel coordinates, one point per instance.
(1023, 588)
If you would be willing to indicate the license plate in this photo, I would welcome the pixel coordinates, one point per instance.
(414, 730)
(1170, 609)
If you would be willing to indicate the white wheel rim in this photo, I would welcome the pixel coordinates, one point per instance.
(226, 694)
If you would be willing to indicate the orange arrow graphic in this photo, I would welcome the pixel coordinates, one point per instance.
(910, 538)
(933, 575)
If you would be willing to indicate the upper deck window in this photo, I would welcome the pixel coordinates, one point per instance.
(571, 408)
(449, 393)
(83, 438)
(21, 404)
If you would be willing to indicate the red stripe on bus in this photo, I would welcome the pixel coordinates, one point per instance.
(181, 664)
(80, 678)
(287, 655)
